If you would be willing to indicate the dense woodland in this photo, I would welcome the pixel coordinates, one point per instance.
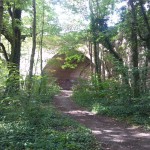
(115, 34)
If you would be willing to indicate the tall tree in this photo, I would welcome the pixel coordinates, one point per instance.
(145, 36)
(134, 48)
(33, 40)
(41, 40)
(13, 35)
(101, 33)
(1, 15)
(94, 15)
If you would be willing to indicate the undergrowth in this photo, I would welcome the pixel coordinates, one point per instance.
(113, 99)
(40, 127)
(37, 126)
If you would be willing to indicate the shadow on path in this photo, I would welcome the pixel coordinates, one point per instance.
(113, 135)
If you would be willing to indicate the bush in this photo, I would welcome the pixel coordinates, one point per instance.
(39, 126)
(113, 99)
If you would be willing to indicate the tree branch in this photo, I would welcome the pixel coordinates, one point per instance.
(9, 10)
(4, 52)
(7, 35)
(111, 50)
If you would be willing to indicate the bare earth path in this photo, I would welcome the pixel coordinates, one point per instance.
(113, 134)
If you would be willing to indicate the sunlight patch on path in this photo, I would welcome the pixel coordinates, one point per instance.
(80, 113)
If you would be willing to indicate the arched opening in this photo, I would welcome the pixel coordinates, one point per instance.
(67, 77)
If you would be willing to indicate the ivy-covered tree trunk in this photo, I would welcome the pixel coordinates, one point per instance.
(97, 60)
(134, 49)
(16, 47)
(13, 82)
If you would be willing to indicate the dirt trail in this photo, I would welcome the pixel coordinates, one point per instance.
(113, 135)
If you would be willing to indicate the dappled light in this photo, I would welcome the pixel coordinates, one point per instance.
(74, 74)
(105, 129)
(80, 113)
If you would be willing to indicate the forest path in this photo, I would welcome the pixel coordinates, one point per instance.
(113, 135)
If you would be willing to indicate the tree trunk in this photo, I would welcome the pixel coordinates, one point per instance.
(13, 83)
(95, 32)
(91, 57)
(95, 59)
(103, 65)
(33, 41)
(41, 47)
(41, 42)
(16, 47)
(145, 74)
(147, 25)
(134, 49)
(1, 16)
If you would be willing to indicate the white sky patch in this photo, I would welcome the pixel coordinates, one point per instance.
(118, 6)
(114, 18)
(70, 21)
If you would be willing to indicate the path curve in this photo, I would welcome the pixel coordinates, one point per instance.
(113, 134)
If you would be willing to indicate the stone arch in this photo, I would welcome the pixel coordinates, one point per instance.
(66, 78)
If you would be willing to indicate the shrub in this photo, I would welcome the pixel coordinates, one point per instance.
(39, 126)
(113, 99)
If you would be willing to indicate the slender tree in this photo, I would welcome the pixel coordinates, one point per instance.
(1, 16)
(95, 34)
(33, 41)
(41, 40)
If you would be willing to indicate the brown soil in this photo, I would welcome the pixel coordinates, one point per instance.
(113, 135)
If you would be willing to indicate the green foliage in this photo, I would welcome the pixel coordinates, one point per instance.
(72, 41)
(40, 127)
(72, 60)
(30, 122)
(70, 44)
(43, 88)
(46, 84)
(3, 75)
(113, 99)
